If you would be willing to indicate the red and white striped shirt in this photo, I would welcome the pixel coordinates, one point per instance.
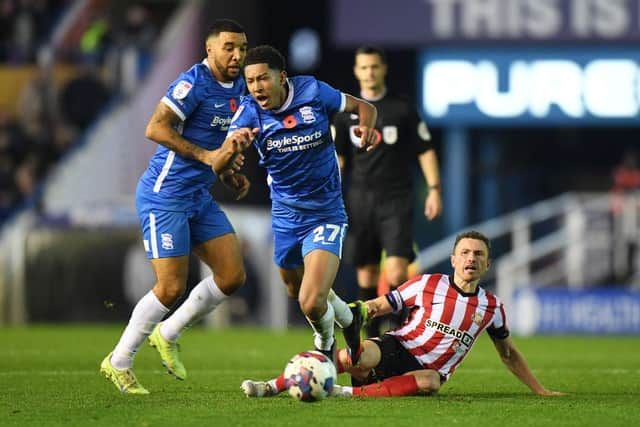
(444, 321)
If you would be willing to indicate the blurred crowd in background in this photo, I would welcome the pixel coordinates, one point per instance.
(58, 76)
(80, 78)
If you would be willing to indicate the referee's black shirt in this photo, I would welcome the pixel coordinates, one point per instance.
(387, 168)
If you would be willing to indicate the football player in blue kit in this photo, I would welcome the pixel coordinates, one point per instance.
(309, 221)
(176, 211)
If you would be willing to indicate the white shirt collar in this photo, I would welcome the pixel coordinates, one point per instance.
(287, 102)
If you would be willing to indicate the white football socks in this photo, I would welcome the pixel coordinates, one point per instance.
(202, 300)
(323, 329)
(145, 316)
(341, 310)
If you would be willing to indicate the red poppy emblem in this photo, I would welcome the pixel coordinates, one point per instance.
(289, 121)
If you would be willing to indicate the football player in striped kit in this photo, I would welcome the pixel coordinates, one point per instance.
(177, 213)
(447, 314)
(308, 216)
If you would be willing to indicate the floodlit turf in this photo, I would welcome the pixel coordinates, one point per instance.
(49, 376)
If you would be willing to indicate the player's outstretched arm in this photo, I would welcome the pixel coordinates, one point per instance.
(368, 115)
(162, 130)
(517, 364)
(378, 307)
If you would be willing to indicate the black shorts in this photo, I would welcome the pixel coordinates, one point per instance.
(377, 222)
(394, 360)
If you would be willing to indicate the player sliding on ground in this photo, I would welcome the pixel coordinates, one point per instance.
(447, 314)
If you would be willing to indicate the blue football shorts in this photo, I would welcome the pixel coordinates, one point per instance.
(173, 233)
(295, 235)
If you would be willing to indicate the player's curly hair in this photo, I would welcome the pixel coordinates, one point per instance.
(472, 234)
(266, 54)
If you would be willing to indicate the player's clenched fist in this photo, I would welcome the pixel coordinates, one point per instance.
(229, 155)
(368, 137)
(241, 139)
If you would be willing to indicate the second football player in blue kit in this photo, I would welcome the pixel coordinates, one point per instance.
(309, 219)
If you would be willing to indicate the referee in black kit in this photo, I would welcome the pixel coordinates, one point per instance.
(379, 198)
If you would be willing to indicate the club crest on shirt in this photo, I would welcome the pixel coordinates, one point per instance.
(390, 134)
(181, 90)
(477, 318)
(307, 114)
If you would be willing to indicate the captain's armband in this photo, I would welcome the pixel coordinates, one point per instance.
(395, 300)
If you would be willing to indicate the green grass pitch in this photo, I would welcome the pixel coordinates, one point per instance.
(49, 377)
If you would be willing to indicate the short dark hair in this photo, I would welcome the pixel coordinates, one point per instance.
(224, 26)
(266, 54)
(472, 234)
(372, 50)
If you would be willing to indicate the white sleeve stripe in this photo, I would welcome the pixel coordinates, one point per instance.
(152, 232)
(169, 103)
(165, 171)
(499, 321)
(343, 102)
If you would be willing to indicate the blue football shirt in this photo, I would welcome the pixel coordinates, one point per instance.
(206, 107)
(295, 144)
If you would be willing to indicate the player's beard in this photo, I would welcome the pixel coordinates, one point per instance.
(226, 72)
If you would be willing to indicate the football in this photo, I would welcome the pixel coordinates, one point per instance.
(310, 376)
